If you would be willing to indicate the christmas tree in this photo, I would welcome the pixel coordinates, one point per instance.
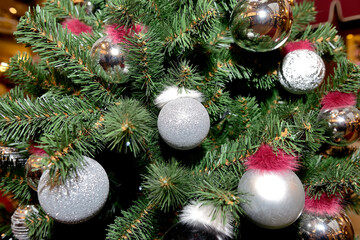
(180, 119)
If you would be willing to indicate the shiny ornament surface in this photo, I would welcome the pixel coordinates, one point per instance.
(77, 199)
(325, 227)
(342, 124)
(34, 170)
(183, 123)
(109, 55)
(181, 231)
(18, 226)
(11, 154)
(274, 199)
(301, 71)
(261, 25)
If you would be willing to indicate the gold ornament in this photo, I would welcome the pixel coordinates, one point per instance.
(325, 227)
(261, 25)
(342, 124)
(34, 170)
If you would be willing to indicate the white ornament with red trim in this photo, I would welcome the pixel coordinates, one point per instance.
(302, 69)
(274, 195)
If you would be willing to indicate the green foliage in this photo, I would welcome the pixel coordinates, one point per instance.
(303, 13)
(39, 224)
(135, 223)
(126, 125)
(168, 185)
(17, 186)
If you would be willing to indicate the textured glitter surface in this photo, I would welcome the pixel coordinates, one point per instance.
(79, 198)
(183, 123)
(301, 71)
(273, 200)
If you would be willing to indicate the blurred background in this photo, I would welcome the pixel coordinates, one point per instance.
(344, 14)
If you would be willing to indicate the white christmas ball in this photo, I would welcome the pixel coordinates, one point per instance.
(301, 71)
(183, 123)
(273, 200)
(77, 199)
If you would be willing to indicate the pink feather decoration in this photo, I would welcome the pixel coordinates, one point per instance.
(337, 100)
(76, 26)
(34, 150)
(265, 159)
(292, 46)
(118, 34)
(329, 205)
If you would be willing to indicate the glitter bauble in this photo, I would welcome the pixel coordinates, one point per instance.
(342, 124)
(18, 225)
(182, 231)
(301, 71)
(183, 123)
(273, 199)
(77, 199)
(109, 55)
(34, 170)
(261, 25)
(325, 227)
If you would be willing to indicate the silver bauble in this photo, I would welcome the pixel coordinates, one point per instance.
(77, 199)
(18, 225)
(109, 55)
(325, 227)
(183, 123)
(273, 199)
(301, 71)
(342, 124)
(261, 25)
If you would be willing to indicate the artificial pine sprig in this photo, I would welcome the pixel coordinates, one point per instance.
(168, 185)
(303, 13)
(137, 223)
(17, 186)
(40, 225)
(126, 126)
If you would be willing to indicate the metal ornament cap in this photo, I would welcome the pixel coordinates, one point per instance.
(273, 199)
(79, 197)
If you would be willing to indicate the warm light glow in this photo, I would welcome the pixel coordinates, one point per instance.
(13, 10)
(271, 187)
(349, 36)
(4, 66)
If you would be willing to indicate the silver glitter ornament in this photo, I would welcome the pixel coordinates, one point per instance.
(183, 123)
(342, 124)
(18, 225)
(325, 227)
(261, 25)
(77, 199)
(301, 71)
(109, 55)
(274, 200)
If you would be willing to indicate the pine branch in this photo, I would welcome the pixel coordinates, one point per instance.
(126, 125)
(191, 24)
(303, 14)
(183, 74)
(168, 185)
(39, 224)
(146, 59)
(17, 186)
(135, 223)
(61, 50)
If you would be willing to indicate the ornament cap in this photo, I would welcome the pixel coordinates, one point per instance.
(338, 99)
(300, 45)
(195, 214)
(266, 159)
(171, 93)
(325, 205)
(76, 26)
